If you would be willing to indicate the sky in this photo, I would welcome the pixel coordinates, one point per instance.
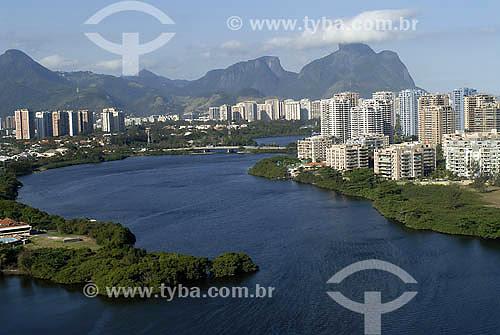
(454, 44)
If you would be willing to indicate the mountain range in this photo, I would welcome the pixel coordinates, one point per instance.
(24, 83)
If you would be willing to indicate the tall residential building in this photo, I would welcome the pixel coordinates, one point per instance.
(225, 113)
(25, 124)
(464, 152)
(60, 123)
(249, 110)
(264, 112)
(486, 117)
(44, 124)
(408, 111)
(346, 157)
(458, 98)
(113, 120)
(384, 104)
(335, 117)
(237, 113)
(405, 161)
(471, 103)
(85, 122)
(274, 108)
(10, 122)
(314, 148)
(72, 123)
(353, 97)
(214, 113)
(293, 110)
(316, 109)
(436, 117)
(365, 119)
(305, 109)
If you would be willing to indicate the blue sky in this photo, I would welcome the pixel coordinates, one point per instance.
(457, 43)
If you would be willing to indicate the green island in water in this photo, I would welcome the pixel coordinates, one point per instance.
(450, 209)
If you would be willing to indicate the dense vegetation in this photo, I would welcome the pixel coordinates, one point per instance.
(448, 209)
(274, 167)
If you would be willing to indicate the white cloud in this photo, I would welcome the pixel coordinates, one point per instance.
(109, 65)
(370, 26)
(57, 62)
(233, 48)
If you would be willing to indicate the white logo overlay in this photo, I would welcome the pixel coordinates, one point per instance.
(130, 49)
(372, 308)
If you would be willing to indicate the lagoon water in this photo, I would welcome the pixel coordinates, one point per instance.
(299, 235)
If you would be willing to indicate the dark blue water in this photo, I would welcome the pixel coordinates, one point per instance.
(299, 235)
(279, 141)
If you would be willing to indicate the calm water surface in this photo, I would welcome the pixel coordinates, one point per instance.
(300, 236)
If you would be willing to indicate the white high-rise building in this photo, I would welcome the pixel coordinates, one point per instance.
(112, 120)
(305, 109)
(73, 123)
(365, 119)
(273, 108)
(458, 97)
(335, 117)
(293, 110)
(408, 111)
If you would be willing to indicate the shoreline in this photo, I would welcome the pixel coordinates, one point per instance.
(417, 207)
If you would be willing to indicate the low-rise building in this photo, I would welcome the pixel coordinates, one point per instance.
(314, 148)
(405, 161)
(9, 227)
(467, 154)
(346, 157)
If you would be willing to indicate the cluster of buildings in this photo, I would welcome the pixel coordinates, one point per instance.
(137, 121)
(353, 129)
(271, 109)
(29, 125)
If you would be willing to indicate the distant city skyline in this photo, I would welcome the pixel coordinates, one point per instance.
(439, 54)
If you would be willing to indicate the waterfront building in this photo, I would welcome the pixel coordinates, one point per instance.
(405, 161)
(237, 113)
(314, 148)
(436, 117)
(469, 154)
(335, 117)
(9, 227)
(25, 124)
(346, 157)
(408, 111)
(458, 99)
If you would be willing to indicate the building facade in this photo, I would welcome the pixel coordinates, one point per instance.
(458, 99)
(408, 111)
(346, 157)
(405, 161)
(314, 148)
(25, 124)
(470, 154)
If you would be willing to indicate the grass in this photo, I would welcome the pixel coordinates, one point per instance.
(492, 197)
(45, 241)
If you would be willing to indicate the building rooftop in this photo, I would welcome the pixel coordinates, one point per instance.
(9, 223)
